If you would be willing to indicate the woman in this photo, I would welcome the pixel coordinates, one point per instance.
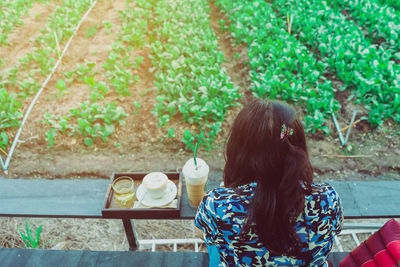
(270, 213)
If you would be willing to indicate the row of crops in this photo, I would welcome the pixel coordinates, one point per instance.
(24, 79)
(327, 42)
(361, 48)
(96, 118)
(369, 71)
(188, 75)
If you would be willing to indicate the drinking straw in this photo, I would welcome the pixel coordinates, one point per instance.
(195, 154)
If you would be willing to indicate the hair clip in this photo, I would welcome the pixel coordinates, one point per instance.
(286, 131)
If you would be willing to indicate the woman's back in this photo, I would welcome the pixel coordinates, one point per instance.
(223, 212)
(271, 212)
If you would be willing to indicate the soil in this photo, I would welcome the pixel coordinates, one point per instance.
(140, 145)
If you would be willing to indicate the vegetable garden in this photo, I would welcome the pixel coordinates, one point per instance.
(139, 82)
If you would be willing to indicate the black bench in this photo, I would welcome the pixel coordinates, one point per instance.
(12, 257)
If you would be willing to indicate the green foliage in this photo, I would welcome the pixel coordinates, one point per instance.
(50, 135)
(120, 65)
(10, 17)
(91, 121)
(81, 71)
(380, 20)
(31, 240)
(108, 26)
(282, 67)
(28, 87)
(91, 31)
(9, 115)
(94, 120)
(170, 134)
(188, 73)
(137, 107)
(61, 87)
(36, 65)
(3, 140)
(85, 74)
(393, 3)
(369, 71)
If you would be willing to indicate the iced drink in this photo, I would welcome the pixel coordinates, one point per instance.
(196, 178)
(124, 191)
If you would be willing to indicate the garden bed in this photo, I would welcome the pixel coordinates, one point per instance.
(140, 145)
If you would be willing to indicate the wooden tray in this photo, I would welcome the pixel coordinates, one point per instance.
(111, 211)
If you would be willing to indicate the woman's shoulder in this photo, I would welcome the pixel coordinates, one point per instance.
(224, 193)
(323, 197)
(224, 199)
(323, 190)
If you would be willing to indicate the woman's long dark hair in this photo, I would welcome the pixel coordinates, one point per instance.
(281, 168)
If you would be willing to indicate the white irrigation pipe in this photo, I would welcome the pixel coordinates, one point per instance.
(7, 162)
(343, 141)
(2, 163)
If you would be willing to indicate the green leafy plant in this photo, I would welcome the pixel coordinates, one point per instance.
(61, 87)
(3, 140)
(10, 115)
(137, 107)
(50, 135)
(90, 121)
(108, 26)
(171, 133)
(91, 31)
(30, 239)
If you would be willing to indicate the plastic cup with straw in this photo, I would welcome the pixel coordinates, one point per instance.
(195, 171)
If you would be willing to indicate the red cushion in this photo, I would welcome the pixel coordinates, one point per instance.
(390, 233)
(378, 250)
(394, 250)
(370, 263)
(362, 256)
(383, 258)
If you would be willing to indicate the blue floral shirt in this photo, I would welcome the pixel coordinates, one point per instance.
(223, 211)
